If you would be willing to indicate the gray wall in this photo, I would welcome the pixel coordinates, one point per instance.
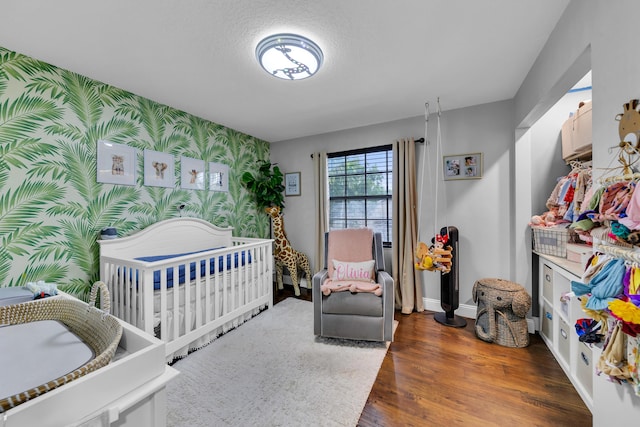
(479, 208)
(492, 213)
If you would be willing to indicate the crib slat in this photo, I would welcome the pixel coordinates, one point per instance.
(186, 321)
(176, 304)
(207, 294)
(216, 287)
(198, 291)
(164, 327)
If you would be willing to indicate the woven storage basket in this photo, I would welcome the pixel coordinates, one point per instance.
(95, 327)
(510, 329)
(552, 240)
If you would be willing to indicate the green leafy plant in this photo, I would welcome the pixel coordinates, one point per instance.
(266, 185)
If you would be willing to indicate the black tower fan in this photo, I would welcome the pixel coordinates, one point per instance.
(449, 285)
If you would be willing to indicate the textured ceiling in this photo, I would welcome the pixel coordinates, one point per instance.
(383, 59)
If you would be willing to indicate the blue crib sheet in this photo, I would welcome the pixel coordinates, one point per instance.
(192, 266)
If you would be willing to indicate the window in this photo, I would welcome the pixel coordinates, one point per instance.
(360, 189)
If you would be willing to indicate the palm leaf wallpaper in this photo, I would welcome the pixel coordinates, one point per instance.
(51, 206)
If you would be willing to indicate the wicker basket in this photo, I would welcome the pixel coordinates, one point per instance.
(552, 240)
(95, 327)
(496, 319)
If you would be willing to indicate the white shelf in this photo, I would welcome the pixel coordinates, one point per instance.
(558, 317)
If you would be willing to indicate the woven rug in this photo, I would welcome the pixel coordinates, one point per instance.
(272, 371)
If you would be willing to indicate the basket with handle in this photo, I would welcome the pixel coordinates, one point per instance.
(95, 327)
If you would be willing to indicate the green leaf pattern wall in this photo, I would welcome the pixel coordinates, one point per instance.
(51, 206)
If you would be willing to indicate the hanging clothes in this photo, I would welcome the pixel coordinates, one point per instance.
(604, 286)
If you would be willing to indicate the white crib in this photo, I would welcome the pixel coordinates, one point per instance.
(226, 280)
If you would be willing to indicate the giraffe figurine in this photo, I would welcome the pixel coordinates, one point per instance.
(285, 255)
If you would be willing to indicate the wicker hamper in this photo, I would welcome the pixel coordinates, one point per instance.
(100, 331)
(502, 307)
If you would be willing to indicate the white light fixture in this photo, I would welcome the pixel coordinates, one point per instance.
(289, 56)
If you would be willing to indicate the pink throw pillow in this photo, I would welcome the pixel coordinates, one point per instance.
(357, 271)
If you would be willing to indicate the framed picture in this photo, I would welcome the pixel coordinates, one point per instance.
(462, 166)
(292, 184)
(159, 169)
(116, 163)
(218, 177)
(191, 173)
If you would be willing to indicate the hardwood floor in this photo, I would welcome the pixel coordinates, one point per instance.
(437, 375)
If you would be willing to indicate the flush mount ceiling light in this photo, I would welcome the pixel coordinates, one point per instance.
(289, 56)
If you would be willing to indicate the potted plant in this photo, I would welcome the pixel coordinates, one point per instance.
(266, 185)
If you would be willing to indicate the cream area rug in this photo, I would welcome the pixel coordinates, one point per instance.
(272, 371)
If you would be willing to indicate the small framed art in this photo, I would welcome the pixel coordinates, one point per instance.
(159, 169)
(462, 166)
(116, 163)
(292, 184)
(218, 177)
(191, 173)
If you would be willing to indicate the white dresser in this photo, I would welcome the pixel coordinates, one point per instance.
(610, 403)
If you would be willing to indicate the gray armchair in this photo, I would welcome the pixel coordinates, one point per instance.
(353, 315)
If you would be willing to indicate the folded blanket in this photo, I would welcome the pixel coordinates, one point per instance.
(331, 285)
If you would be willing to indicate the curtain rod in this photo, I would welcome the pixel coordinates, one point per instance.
(419, 140)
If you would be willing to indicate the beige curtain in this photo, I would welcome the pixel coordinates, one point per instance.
(322, 205)
(405, 228)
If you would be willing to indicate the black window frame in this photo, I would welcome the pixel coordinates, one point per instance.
(388, 197)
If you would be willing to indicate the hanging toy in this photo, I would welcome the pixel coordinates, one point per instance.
(438, 256)
(443, 253)
(424, 258)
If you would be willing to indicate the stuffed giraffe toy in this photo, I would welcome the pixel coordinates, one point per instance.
(285, 255)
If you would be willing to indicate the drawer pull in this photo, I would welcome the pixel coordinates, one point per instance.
(547, 278)
(563, 333)
(548, 315)
(584, 358)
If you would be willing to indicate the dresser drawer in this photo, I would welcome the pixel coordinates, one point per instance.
(547, 283)
(547, 322)
(585, 367)
(564, 334)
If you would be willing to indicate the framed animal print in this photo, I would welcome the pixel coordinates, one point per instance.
(159, 169)
(191, 173)
(218, 177)
(292, 184)
(116, 163)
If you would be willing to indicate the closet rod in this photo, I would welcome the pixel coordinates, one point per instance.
(628, 254)
(620, 178)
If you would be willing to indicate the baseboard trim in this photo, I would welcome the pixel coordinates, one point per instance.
(469, 312)
(286, 279)
(464, 310)
(533, 324)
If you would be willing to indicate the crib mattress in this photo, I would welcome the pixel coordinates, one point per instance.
(37, 352)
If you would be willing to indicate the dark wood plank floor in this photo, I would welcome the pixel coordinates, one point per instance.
(436, 375)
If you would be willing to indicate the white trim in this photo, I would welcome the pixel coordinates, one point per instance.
(469, 311)
(286, 279)
(464, 310)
